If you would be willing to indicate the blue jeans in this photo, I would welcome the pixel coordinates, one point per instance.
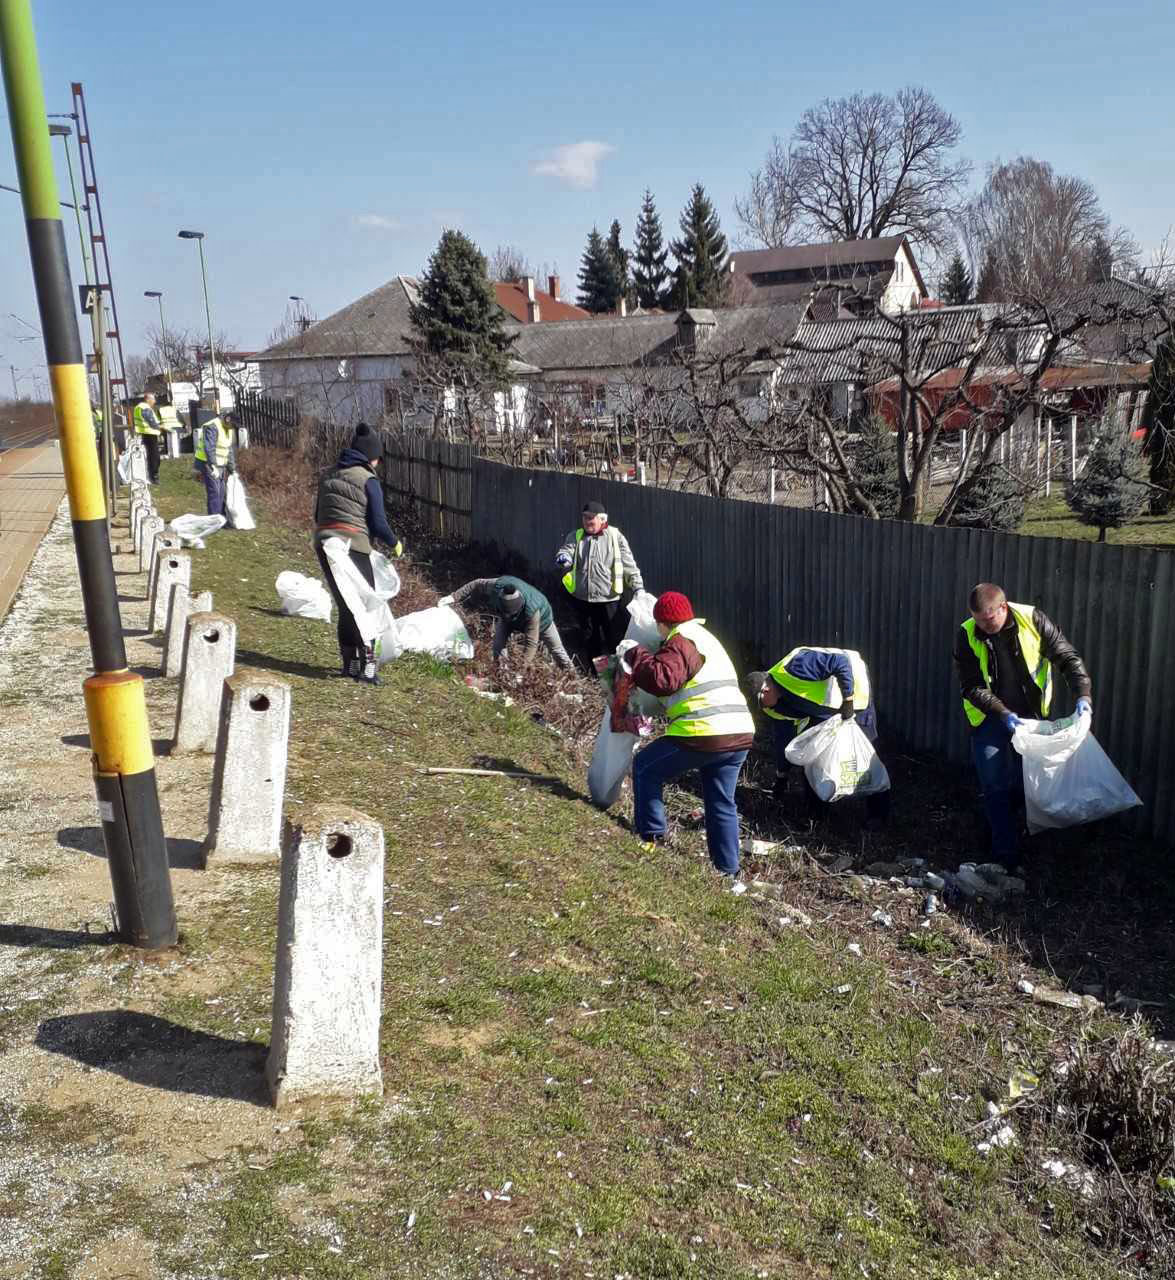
(213, 488)
(666, 759)
(1001, 773)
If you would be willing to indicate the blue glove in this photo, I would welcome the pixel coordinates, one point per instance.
(1084, 707)
(1011, 721)
(563, 560)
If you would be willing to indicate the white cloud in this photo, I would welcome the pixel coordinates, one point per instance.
(575, 164)
(377, 222)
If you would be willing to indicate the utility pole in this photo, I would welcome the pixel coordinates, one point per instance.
(116, 708)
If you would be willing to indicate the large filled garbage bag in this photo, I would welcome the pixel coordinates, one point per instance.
(438, 631)
(236, 504)
(611, 760)
(303, 597)
(1068, 778)
(193, 529)
(838, 760)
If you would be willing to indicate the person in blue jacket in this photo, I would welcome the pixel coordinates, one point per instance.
(807, 686)
(351, 506)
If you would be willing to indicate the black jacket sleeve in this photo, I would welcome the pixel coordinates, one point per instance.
(971, 678)
(1062, 653)
(476, 592)
(377, 520)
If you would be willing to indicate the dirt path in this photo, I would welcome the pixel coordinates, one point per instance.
(31, 486)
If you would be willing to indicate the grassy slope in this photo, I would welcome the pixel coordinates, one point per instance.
(1051, 518)
(672, 1086)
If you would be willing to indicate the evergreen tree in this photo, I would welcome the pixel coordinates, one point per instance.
(1111, 490)
(1101, 261)
(874, 459)
(700, 253)
(457, 316)
(649, 272)
(600, 288)
(620, 258)
(955, 287)
(987, 287)
(990, 498)
(1159, 421)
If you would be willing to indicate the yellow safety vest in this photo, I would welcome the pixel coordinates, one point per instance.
(824, 693)
(711, 704)
(169, 419)
(224, 443)
(141, 427)
(1039, 667)
(617, 563)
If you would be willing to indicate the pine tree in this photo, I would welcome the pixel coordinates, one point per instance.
(620, 258)
(1159, 421)
(990, 498)
(600, 288)
(457, 316)
(955, 287)
(1111, 490)
(987, 287)
(1101, 261)
(874, 459)
(700, 253)
(649, 272)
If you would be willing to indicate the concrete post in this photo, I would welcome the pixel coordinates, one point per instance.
(149, 526)
(164, 542)
(139, 510)
(171, 567)
(209, 659)
(327, 979)
(249, 779)
(180, 607)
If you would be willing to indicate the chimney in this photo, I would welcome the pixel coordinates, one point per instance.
(533, 314)
(622, 309)
(528, 287)
(553, 287)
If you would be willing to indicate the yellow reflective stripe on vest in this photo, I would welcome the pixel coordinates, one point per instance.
(1039, 667)
(824, 693)
(617, 562)
(140, 426)
(711, 707)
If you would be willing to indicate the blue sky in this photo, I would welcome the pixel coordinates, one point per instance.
(323, 150)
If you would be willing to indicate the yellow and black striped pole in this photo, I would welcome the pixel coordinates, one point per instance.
(124, 766)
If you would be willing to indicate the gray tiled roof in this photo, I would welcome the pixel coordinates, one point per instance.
(815, 257)
(374, 325)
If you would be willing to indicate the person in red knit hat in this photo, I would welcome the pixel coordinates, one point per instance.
(710, 726)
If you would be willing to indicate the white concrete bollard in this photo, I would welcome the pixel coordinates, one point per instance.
(327, 979)
(249, 779)
(149, 526)
(180, 606)
(171, 567)
(163, 542)
(138, 510)
(209, 659)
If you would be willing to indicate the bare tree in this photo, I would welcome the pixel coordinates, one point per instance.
(173, 349)
(860, 167)
(296, 319)
(508, 264)
(1034, 231)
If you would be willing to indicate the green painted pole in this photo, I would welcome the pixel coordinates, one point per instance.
(116, 708)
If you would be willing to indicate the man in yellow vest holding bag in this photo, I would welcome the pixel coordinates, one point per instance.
(1004, 655)
(710, 727)
(212, 444)
(147, 428)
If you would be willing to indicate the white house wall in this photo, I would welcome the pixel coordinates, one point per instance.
(903, 292)
(340, 389)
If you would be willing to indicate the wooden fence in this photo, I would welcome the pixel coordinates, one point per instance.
(434, 479)
(271, 423)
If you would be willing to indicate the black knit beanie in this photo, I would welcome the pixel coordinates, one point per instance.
(367, 442)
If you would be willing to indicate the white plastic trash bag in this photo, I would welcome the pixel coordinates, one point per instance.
(611, 760)
(438, 631)
(368, 604)
(838, 760)
(1068, 778)
(193, 529)
(642, 626)
(237, 504)
(132, 464)
(303, 597)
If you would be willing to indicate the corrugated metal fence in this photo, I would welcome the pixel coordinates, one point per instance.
(768, 578)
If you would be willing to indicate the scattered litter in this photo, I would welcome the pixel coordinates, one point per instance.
(929, 905)
(796, 915)
(882, 918)
(757, 848)
(1022, 1082)
(1001, 1139)
(487, 1196)
(738, 887)
(854, 948)
(1075, 1176)
(1067, 1000)
(933, 881)
(843, 989)
(411, 1220)
(1025, 987)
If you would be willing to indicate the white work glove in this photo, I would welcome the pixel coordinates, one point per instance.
(622, 651)
(445, 602)
(563, 560)
(214, 472)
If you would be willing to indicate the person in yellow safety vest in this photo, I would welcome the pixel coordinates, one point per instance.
(710, 726)
(212, 444)
(169, 421)
(806, 686)
(147, 429)
(598, 565)
(1004, 655)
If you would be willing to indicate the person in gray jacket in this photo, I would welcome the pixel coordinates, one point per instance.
(598, 566)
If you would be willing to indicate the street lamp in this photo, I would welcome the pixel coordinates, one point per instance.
(198, 236)
(64, 132)
(158, 296)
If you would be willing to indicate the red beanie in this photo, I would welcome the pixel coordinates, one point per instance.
(672, 607)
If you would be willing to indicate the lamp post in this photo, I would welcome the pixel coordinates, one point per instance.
(198, 236)
(158, 296)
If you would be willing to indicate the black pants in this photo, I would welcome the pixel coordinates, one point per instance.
(151, 444)
(601, 626)
(349, 634)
